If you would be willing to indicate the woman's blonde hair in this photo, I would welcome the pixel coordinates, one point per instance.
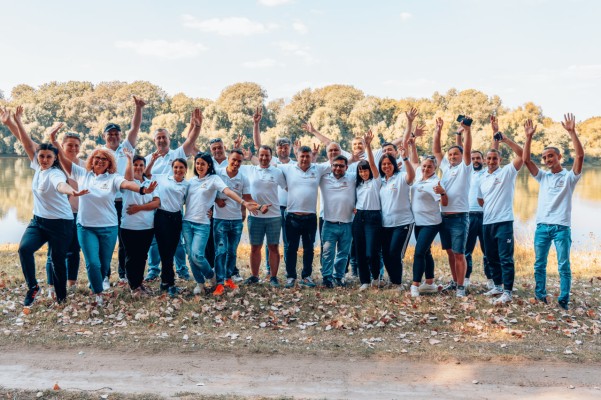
(112, 167)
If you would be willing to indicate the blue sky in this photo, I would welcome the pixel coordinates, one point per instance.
(528, 50)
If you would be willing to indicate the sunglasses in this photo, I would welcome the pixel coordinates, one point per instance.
(73, 135)
(216, 140)
(338, 165)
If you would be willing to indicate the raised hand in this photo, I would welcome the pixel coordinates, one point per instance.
(494, 124)
(308, 127)
(315, 149)
(569, 122)
(368, 137)
(54, 131)
(18, 113)
(411, 114)
(139, 102)
(153, 185)
(247, 153)
(403, 150)
(530, 128)
(129, 154)
(196, 117)
(5, 116)
(258, 115)
(439, 124)
(465, 127)
(420, 130)
(238, 142)
(438, 189)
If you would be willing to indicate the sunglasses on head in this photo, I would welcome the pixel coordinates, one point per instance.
(216, 140)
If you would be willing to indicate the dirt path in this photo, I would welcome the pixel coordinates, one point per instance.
(304, 377)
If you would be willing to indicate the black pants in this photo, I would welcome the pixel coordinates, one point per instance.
(300, 227)
(367, 239)
(73, 258)
(136, 244)
(498, 244)
(474, 233)
(423, 262)
(394, 244)
(57, 233)
(121, 252)
(167, 231)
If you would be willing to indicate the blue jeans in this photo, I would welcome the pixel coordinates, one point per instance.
(196, 237)
(227, 237)
(336, 240)
(562, 237)
(154, 259)
(97, 245)
(423, 262)
(284, 239)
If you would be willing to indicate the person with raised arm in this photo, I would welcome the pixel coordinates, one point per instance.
(495, 195)
(52, 220)
(554, 212)
(456, 176)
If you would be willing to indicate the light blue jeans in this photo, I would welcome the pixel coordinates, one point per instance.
(227, 235)
(97, 245)
(154, 260)
(336, 240)
(562, 237)
(196, 237)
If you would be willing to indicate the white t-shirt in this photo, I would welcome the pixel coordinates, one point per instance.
(282, 192)
(456, 182)
(394, 198)
(201, 197)
(162, 165)
(238, 184)
(555, 197)
(48, 202)
(171, 192)
(121, 158)
(497, 191)
(264, 185)
(425, 204)
(368, 195)
(97, 208)
(73, 200)
(302, 186)
(338, 197)
(474, 185)
(142, 219)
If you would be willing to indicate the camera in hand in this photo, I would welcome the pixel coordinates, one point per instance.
(498, 136)
(465, 120)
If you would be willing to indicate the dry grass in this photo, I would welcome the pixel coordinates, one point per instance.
(319, 321)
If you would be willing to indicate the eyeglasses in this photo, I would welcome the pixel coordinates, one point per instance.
(103, 159)
(215, 140)
(338, 165)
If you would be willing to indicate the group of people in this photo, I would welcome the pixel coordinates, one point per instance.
(371, 202)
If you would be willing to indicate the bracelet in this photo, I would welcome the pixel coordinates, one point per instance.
(406, 159)
(141, 191)
(443, 194)
(412, 134)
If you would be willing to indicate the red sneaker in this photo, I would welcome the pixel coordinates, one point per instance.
(230, 284)
(219, 290)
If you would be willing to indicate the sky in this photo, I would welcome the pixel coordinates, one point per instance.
(527, 50)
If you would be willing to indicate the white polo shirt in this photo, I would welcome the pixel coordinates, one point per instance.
(162, 165)
(238, 184)
(282, 192)
(142, 219)
(222, 164)
(497, 191)
(302, 186)
(456, 182)
(74, 201)
(368, 195)
(97, 208)
(264, 185)
(394, 198)
(171, 192)
(121, 158)
(48, 202)
(425, 204)
(338, 197)
(474, 185)
(201, 197)
(555, 197)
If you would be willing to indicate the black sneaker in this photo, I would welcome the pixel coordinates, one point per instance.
(172, 291)
(563, 304)
(339, 282)
(543, 300)
(164, 287)
(251, 280)
(30, 296)
(328, 283)
(273, 281)
(452, 285)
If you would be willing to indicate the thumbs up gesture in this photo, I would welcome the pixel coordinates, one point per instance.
(439, 189)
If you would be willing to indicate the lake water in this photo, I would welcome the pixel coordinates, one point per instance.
(16, 204)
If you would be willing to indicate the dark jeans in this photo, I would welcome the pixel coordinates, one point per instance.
(300, 227)
(423, 262)
(72, 258)
(210, 249)
(367, 233)
(498, 244)
(474, 233)
(57, 233)
(394, 244)
(136, 244)
(121, 252)
(284, 239)
(167, 231)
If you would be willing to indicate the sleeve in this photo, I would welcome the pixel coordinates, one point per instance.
(479, 183)
(127, 145)
(539, 176)
(218, 184)
(117, 181)
(511, 171)
(57, 177)
(280, 179)
(180, 153)
(245, 185)
(444, 165)
(77, 172)
(34, 163)
(346, 154)
(403, 177)
(573, 177)
(324, 168)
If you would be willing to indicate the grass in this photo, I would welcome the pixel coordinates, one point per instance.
(259, 319)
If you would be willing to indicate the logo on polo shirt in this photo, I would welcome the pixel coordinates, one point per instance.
(104, 186)
(560, 183)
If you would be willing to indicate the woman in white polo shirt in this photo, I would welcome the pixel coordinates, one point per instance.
(202, 190)
(137, 226)
(367, 224)
(52, 220)
(97, 217)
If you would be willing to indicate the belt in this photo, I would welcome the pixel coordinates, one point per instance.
(455, 215)
(174, 213)
(476, 213)
(337, 222)
(303, 216)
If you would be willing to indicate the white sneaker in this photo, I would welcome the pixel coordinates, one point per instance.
(213, 281)
(460, 292)
(490, 284)
(466, 283)
(494, 291)
(503, 299)
(198, 289)
(414, 291)
(428, 288)
(51, 293)
(363, 287)
(379, 283)
(237, 278)
(99, 300)
(106, 284)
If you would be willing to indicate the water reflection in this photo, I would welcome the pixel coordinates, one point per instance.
(16, 203)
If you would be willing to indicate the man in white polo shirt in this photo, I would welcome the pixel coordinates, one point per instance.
(159, 163)
(302, 180)
(495, 194)
(554, 212)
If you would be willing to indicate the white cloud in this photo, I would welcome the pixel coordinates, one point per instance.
(264, 63)
(300, 27)
(274, 3)
(163, 48)
(405, 16)
(230, 26)
(297, 50)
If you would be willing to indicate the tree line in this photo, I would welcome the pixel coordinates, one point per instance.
(340, 112)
